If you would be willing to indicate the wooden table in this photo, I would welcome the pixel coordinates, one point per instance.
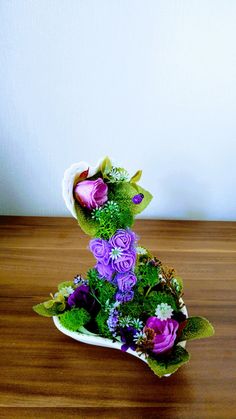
(45, 374)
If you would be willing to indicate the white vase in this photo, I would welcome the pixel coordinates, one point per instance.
(93, 339)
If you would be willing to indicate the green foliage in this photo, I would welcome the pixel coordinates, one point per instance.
(86, 222)
(95, 281)
(51, 307)
(105, 167)
(74, 319)
(106, 292)
(167, 365)
(147, 274)
(196, 328)
(101, 321)
(133, 308)
(122, 193)
(157, 297)
(177, 284)
(65, 284)
(136, 177)
(104, 289)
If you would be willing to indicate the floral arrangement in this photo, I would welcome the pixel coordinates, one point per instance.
(129, 296)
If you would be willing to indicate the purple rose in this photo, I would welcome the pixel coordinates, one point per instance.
(78, 296)
(105, 271)
(101, 250)
(91, 193)
(126, 281)
(124, 297)
(123, 239)
(164, 333)
(125, 262)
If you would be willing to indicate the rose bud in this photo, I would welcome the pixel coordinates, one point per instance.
(91, 193)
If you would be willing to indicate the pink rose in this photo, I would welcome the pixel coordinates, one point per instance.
(91, 193)
(164, 333)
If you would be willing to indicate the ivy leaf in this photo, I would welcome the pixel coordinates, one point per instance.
(51, 307)
(136, 177)
(87, 224)
(167, 365)
(106, 166)
(146, 200)
(196, 328)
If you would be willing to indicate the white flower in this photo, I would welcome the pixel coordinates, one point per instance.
(139, 336)
(118, 174)
(116, 252)
(66, 291)
(164, 311)
(141, 250)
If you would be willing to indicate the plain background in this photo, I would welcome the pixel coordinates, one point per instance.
(150, 83)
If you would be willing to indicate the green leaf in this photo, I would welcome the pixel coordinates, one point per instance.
(51, 307)
(170, 364)
(65, 284)
(196, 328)
(87, 224)
(105, 166)
(124, 192)
(136, 177)
(146, 200)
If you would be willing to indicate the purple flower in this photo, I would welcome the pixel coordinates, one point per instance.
(164, 333)
(124, 297)
(127, 337)
(78, 296)
(123, 239)
(112, 320)
(137, 199)
(101, 250)
(125, 262)
(105, 271)
(126, 281)
(91, 193)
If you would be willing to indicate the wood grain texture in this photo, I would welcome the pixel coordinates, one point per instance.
(45, 374)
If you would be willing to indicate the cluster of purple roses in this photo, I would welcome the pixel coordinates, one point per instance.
(116, 260)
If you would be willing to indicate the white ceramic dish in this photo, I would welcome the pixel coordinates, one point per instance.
(93, 339)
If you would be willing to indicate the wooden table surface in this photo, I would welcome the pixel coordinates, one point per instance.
(45, 374)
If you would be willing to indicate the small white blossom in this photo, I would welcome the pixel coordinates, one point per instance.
(164, 311)
(116, 252)
(136, 323)
(66, 291)
(138, 337)
(118, 175)
(141, 250)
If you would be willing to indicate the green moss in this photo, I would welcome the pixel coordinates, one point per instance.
(74, 319)
(101, 321)
(133, 308)
(157, 297)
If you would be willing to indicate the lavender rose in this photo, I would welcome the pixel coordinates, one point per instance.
(164, 333)
(125, 262)
(123, 239)
(105, 271)
(126, 281)
(91, 193)
(101, 250)
(124, 297)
